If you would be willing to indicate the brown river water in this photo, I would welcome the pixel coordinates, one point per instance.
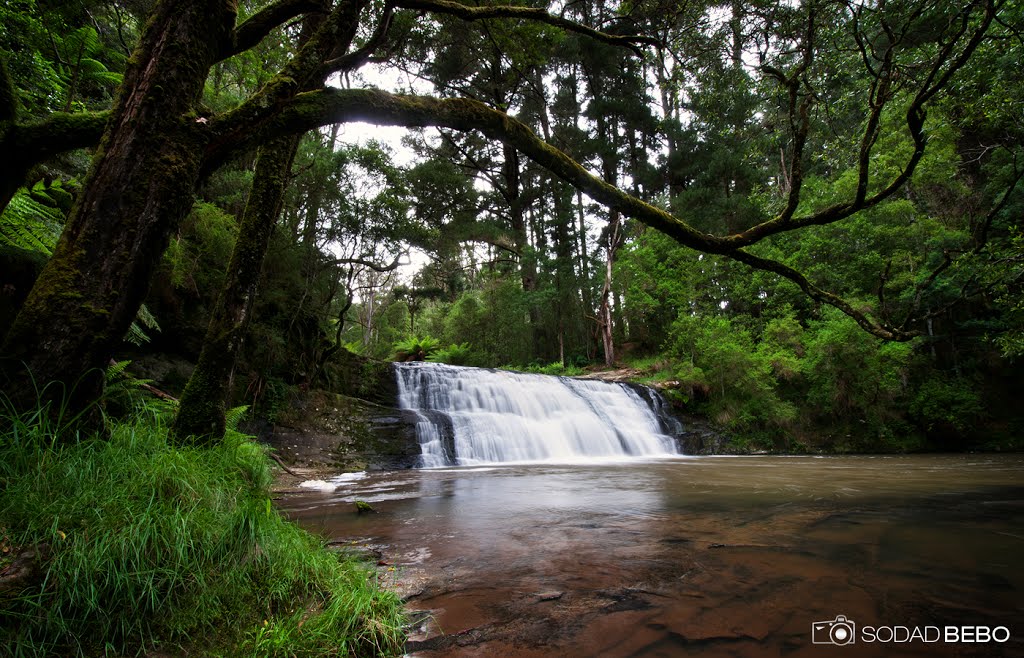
(713, 556)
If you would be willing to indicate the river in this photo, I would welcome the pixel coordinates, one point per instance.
(730, 556)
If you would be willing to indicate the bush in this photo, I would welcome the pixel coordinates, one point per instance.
(720, 369)
(456, 355)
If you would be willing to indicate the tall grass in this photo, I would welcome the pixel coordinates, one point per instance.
(148, 545)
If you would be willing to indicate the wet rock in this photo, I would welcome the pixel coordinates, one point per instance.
(344, 433)
(624, 600)
(700, 437)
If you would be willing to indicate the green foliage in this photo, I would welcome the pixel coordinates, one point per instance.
(126, 395)
(718, 366)
(416, 348)
(197, 256)
(947, 404)
(57, 58)
(855, 376)
(150, 546)
(455, 354)
(494, 319)
(556, 369)
(234, 416)
(136, 333)
(34, 218)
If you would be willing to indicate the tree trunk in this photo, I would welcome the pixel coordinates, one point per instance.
(139, 188)
(527, 258)
(605, 314)
(204, 401)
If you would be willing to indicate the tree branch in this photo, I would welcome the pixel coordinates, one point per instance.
(376, 267)
(357, 58)
(328, 106)
(31, 143)
(539, 15)
(944, 65)
(265, 21)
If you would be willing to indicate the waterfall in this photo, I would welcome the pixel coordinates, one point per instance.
(479, 416)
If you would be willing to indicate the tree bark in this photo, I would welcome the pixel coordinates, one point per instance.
(139, 188)
(204, 401)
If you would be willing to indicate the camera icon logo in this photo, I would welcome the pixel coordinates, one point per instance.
(837, 631)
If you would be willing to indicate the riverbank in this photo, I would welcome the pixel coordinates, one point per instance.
(126, 544)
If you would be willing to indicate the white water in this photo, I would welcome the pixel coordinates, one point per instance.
(494, 416)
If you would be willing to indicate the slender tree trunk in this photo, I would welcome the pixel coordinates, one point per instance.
(609, 136)
(204, 401)
(605, 313)
(139, 188)
(562, 201)
(527, 259)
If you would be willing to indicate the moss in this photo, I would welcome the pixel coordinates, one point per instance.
(8, 98)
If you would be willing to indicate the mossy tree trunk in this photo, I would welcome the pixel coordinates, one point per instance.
(204, 401)
(201, 415)
(139, 187)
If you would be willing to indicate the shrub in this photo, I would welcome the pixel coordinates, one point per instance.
(456, 355)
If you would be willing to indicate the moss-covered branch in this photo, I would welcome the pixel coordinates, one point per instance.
(327, 106)
(25, 146)
(263, 22)
(60, 132)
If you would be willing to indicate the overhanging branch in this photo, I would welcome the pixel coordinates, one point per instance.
(940, 72)
(328, 106)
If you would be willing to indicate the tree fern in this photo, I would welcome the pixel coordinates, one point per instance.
(79, 65)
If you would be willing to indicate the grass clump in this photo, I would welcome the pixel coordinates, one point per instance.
(147, 545)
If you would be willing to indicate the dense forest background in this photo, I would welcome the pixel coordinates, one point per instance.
(841, 260)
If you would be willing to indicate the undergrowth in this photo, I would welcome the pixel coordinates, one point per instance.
(145, 545)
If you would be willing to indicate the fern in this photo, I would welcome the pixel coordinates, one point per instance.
(136, 334)
(81, 48)
(415, 348)
(234, 416)
(115, 370)
(30, 224)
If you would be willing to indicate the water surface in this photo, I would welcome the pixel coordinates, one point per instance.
(713, 555)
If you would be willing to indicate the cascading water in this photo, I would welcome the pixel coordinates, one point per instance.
(479, 416)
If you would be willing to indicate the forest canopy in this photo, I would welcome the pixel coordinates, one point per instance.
(794, 212)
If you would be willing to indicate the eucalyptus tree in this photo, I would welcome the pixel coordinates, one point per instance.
(158, 141)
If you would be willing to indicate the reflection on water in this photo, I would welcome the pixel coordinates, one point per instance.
(715, 555)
